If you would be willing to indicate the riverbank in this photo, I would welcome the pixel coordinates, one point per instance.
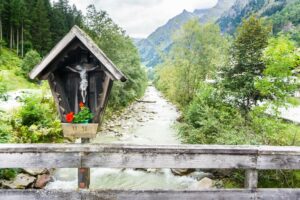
(148, 121)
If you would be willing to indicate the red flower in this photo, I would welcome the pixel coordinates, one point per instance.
(81, 104)
(70, 117)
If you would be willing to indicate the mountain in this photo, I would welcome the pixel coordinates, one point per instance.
(283, 14)
(232, 18)
(160, 40)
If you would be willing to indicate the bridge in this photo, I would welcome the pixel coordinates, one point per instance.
(250, 158)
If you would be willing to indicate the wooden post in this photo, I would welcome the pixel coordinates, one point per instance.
(251, 179)
(84, 173)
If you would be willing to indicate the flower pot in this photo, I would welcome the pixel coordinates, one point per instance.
(83, 130)
(85, 121)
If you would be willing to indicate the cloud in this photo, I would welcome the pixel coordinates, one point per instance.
(141, 17)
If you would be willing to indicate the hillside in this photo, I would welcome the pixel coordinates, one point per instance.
(244, 8)
(284, 14)
(10, 72)
(160, 40)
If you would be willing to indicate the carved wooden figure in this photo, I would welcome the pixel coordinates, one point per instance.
(78, 71)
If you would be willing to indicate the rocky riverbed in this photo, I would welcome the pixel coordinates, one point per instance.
(150, 121)
(28, 178)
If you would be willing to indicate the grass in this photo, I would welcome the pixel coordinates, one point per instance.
(15, 82)
(10, 72)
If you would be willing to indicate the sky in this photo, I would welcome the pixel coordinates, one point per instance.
(141, 17)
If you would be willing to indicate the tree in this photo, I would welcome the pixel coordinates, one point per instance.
(3, 88)
(278, 81)
(31, 59)
(41, 37)
(1, 29)
(197, 54)
(246, 63)
(121, 50)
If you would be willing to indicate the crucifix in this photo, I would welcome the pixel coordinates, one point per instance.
(82, 70)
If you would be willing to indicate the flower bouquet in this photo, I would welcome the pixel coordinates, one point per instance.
(78, 125)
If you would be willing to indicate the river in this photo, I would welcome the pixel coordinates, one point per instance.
(150, 122)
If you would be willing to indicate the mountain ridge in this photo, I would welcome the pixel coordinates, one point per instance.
(228, 14)
(160, 40)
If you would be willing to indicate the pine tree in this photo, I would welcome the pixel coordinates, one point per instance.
(247, 63)
(1, 29)
(41, 37)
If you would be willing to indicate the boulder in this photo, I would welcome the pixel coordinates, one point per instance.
(198, 175)
(205, 183)
(35, 172)
(21, 181)
(42, 181)
(182, 172)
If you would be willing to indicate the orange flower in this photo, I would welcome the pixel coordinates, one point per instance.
(81, 104)
(70, 117)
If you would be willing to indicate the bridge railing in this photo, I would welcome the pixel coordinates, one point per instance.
(250, 158)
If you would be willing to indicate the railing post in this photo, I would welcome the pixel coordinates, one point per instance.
(84, 173)
(251, 179)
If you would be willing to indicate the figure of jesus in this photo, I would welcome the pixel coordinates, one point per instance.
(82, 70)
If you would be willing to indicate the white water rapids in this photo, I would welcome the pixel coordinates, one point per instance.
(141, 123)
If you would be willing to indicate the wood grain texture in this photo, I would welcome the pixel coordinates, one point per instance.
(141, 156)
(80, 130)
(74, 33)
(223, 194)
(251, 179)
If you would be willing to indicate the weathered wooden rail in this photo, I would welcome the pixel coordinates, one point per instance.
(250, 158)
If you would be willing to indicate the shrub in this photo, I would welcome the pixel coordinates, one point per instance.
(5, 128)
(8, 174)
(37, 122)
(3, 88)
(209, 120)
(31, 59)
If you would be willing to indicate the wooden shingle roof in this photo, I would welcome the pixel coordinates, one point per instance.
(76, 32)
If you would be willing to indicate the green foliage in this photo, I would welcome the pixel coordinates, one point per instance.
(198, 52)
(3, 88)
(36, 24)
(10, 72)
(120, 49)
(83, 116)
(286, 17)
(279, 179)
(8, 174)
(5, 128)
(9, 61)
(247, 63)
(31, 59)
(278, 81)
(209, 120)
(41, 36)
(36, 122)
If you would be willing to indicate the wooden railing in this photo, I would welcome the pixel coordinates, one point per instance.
(250, 158)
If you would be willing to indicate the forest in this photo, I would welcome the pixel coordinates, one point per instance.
(29, 30)
(229, 88)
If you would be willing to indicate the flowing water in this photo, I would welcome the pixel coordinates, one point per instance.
(150, 122)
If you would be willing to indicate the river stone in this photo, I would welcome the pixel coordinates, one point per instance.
(198, 175)
(182, 172)
(42, 181)
(21, 181)
(35, 172)
(205, 183)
